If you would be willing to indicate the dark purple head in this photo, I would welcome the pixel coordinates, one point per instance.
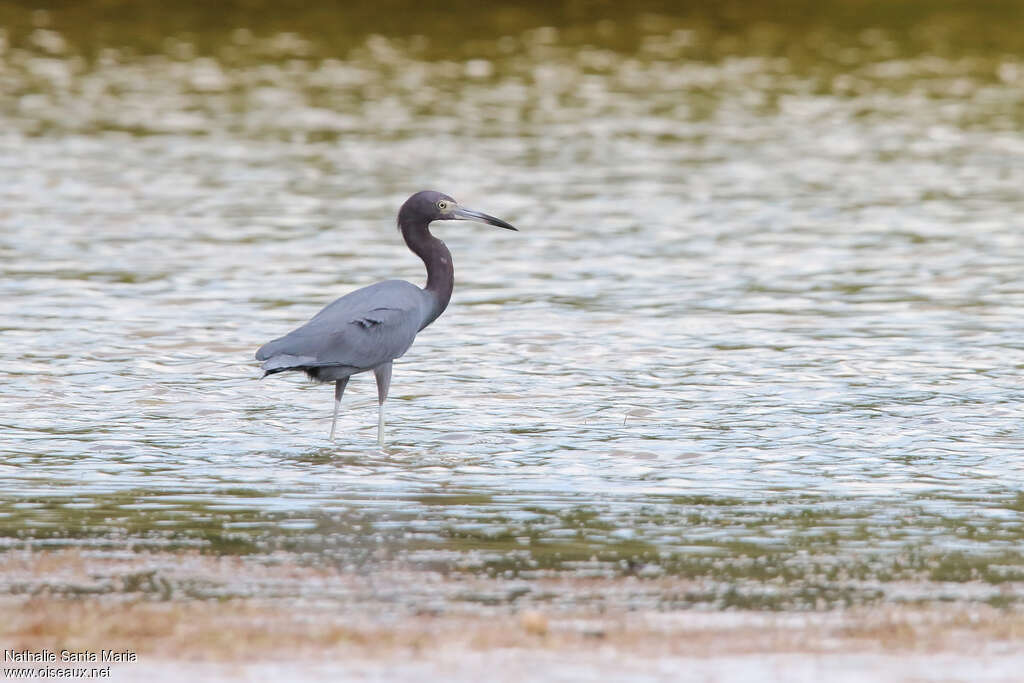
(425, 207)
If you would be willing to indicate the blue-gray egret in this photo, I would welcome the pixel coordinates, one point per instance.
(369, 328)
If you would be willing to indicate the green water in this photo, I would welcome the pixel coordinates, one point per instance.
(761, 326)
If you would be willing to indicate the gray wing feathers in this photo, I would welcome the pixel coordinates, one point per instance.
(361, 330)
(284, 361)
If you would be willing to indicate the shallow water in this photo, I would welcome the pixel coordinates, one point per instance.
(762, 323)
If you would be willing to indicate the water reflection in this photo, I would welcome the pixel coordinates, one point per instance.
(762, 321)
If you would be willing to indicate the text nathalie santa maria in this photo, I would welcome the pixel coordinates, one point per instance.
(52, 656)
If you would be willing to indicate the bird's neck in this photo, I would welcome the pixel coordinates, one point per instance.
(438, 260)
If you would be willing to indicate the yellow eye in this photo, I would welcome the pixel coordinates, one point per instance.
(442, 205)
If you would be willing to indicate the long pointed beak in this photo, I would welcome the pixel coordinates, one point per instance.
(461, 214)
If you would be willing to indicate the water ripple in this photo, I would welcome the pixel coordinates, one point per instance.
(745, 317)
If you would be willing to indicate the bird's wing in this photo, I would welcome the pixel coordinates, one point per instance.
(360, 330)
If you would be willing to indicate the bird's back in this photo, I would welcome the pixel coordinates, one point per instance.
(357, 332)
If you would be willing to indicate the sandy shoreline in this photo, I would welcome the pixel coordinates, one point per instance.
(291, 622)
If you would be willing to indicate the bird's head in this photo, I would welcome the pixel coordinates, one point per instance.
(425, 207)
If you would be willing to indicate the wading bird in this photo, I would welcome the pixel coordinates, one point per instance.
(369, 328)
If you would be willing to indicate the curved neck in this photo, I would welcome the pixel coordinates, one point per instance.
(437, 259)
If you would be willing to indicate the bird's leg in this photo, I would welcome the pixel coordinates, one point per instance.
(383, 375)
(339, 389)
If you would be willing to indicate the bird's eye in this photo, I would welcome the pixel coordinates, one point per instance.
(442, 205)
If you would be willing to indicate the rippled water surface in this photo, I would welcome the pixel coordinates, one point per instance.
(762, 324)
